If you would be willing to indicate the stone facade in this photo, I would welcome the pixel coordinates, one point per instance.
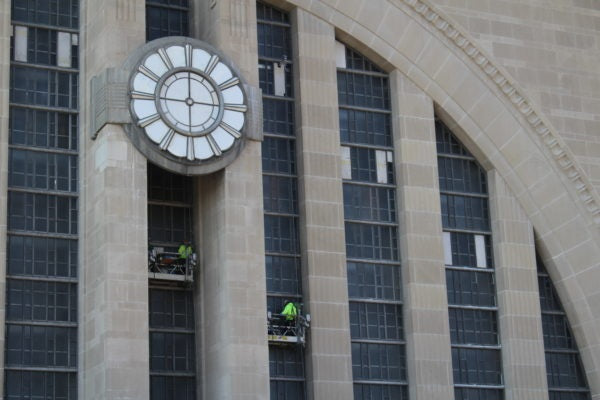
(517, 82)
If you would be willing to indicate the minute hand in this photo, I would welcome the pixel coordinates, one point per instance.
(204, 103)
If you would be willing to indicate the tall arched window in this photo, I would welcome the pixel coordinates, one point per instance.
(373, 262)
(280, 193)
(476, 358)
(564, 371)
(42, 271)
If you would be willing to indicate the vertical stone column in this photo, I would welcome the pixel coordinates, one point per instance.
(5, 33)
(235, 350)
(114, 361)
(325, 286)
(519, 314)
(421, 249)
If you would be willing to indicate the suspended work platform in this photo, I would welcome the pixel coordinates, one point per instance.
(283, 331)
(165, 265)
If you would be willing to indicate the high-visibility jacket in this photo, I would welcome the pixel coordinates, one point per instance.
(184, 251)
(290, 311)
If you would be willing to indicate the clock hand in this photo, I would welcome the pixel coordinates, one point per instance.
(172, 99)
(204, 103)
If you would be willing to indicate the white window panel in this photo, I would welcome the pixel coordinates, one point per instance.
(346, 166)
(63, 52)
(279, 78)
(480, 251)
(21, 43)
(381, 161)
(447, 248)
(75, 39)
(340, 55)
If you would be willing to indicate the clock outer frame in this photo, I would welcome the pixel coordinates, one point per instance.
(147, 147)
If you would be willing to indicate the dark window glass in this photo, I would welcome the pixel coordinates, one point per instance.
(564, 370)
(41, 301)
(47, 171)
(62, 13)
(363, 163)
(41, 46)
(375, 242)
(287, 390)
(266, 77)
(42, 257)
(281, 234)
(447, 143)
(278, 117)
(557, 333)
(375, 321)
(359, 90)
(556, 395)
(372, 281)
(43, 87)
(464, 212)
(166, 19)
(548, 297)
(279, 155)
(365, 127)
(169, 224)
(172, 344)
(470, 288)
(169, 187)
(265, 12)
(279, 194)
(369, 203)
(42, 213)
(283, 275)
(477, 394)
(476, 366)
(357, 61)
(380, 392)
(463, 250)
(565, 373)
(468, 326)
(274, 41)
(172, 388)
(461, 175)
(285, 362)
(380, 362)
(37, 128)
(22, 385)
(172, 352)
(172, 309)
(37, 346)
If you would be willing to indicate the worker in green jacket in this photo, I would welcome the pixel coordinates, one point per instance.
(185, 250)
(290, 311)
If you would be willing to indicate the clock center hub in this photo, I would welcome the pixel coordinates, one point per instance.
(189, 101)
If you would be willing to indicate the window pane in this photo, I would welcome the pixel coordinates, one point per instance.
(375, 321)
(476, 366)
(380, 362)
(372, 281)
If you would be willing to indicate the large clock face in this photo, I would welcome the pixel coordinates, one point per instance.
(188, 102)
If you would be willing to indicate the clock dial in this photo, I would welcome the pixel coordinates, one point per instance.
(188, 102)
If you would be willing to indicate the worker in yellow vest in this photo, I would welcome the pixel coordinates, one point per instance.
(290, 311)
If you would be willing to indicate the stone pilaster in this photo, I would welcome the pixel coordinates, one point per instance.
(421, 249)
(235, 350)
(325, 286)
(519, 314)
(5, 33)
(114, 360)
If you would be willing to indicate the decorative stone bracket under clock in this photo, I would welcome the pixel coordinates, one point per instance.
(183, 104)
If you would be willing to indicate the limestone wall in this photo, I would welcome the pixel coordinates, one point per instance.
(552, 49)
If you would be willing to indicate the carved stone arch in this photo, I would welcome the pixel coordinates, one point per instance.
(474, 92)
